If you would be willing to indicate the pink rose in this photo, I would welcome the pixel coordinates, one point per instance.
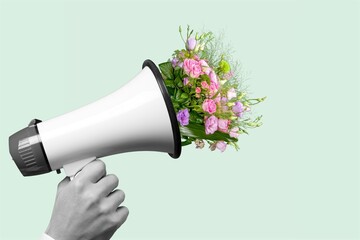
(231, 93)
(221, 145)
(204, 85)
(223, 125)
(209, 106)
(198, 90)
(211, 124)
(192, 68)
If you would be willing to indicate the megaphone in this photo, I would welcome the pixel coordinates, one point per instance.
(137, 117)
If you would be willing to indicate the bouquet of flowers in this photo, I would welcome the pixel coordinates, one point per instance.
(205, 91)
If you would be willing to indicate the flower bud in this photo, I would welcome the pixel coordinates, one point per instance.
(190, 44)
(199, 143)
(212, 147)
(196, 36)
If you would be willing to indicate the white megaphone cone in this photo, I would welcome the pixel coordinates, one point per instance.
(137, 117)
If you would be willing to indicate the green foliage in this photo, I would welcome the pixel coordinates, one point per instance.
(167, 70)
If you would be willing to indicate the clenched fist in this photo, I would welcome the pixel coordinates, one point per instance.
(88, 206)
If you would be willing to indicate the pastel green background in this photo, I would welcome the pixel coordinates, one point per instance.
(296, 177)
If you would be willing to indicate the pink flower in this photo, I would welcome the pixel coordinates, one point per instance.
(209, 106)
(231, 93)
(204, 85)
(174, 62)
(238, 109)
(214, 83)
(198, 90)
(221, 145)
(234, 132)
(186, 81)
(203, 63)
(213, 87)
(183, 117)
(190, 44)
(211, 124)
(223, 125)
(205, 67)
(213, 77)
(192, 68)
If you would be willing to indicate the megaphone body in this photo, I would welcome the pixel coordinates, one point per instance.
(137, 117)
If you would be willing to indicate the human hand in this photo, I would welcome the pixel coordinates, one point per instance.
(87, 207)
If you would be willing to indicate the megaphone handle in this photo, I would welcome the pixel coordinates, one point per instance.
(75, 167)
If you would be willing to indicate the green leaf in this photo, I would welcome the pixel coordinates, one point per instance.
(205, 77)
(171, 91)
(198, 109)
(169, 83)
(176, 105)
(186, 142)
(178, 72)
(178, 82)
(184, 95)
(167, 70)
(198, 131)
(178, 94)
(224, 115)
(196, 118)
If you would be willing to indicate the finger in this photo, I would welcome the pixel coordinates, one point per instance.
(115, 199)
(93, 171)
(107, 184)
(121, 215)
